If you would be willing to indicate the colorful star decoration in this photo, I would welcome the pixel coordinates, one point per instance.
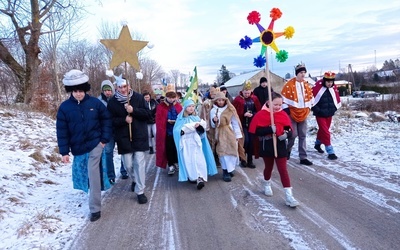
(124, 49)
(267, 37)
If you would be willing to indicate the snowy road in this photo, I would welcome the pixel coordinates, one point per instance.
(341, 207)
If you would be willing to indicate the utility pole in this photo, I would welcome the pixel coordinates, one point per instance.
(351, 77)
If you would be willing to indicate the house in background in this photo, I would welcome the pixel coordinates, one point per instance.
(235, 85)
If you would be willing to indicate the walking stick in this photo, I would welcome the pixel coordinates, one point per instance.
(128, 100)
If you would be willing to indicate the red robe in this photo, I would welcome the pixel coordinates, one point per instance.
(263, 119)
(161, 128)
(239, 103)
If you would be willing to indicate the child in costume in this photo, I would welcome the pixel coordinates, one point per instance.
(224, 119)
(262, 127)
(326, 103)
(195, 156)
(166, 113)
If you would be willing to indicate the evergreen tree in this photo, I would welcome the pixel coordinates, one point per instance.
(224, 75)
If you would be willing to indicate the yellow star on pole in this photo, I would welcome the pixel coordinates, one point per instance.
(124, 49)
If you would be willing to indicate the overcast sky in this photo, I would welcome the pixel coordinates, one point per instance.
(328, 34)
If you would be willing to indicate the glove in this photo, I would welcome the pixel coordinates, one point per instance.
(273, 127)
(282, 137)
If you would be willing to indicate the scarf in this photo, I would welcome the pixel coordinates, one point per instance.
(123, 98)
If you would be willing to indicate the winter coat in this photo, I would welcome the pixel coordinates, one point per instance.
(326, 100)
(242, 104)
(81, 126)
(261, 127)
(262, 94)
(102, 97)
(140, 116)
(152, 106)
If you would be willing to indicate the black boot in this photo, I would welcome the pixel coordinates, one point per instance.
(332, 157)
(250, 163)
(151, 151)
(226, 176)
(318, 148)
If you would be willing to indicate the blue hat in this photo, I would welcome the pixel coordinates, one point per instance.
(187, 103)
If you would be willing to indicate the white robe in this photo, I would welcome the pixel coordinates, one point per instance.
(193, 155)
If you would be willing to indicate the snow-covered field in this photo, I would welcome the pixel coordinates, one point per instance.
(40, 210)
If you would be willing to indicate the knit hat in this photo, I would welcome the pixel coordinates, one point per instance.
(329, 75)
(222, 88)
(247, 85)
(300, 67)
(263, 79)
(76, 80)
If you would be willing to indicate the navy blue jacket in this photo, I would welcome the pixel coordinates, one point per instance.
(81, 126)
(325, 107)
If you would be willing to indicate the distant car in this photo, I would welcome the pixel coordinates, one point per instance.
(366, 94)
(357, 94)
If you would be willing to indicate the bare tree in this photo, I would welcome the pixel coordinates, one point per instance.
(25, 26)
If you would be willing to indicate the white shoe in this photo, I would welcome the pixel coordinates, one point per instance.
(290, 200)
(171, 170)
(268, 189)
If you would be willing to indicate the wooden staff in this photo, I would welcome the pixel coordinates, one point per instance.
(128, 99)
(271, 110)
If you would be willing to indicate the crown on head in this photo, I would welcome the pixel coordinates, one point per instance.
(300, 65)
(170, 88)
(247, 85)
(329, 75)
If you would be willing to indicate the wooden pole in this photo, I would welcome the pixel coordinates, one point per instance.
(271, 110)
(128, 99)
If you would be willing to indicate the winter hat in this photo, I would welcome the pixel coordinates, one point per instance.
(106, 87)
(222, 88)
(300, 67)
(76, 80)
(263, 79)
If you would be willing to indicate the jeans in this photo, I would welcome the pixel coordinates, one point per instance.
(109, 153)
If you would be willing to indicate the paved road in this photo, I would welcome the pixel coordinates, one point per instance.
(336, 212)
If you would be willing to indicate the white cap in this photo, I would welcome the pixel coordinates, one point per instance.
(75, 77)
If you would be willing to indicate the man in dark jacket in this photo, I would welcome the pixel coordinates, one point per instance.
(262, 91)
(151, 124)
(83, 128)
(129, 119)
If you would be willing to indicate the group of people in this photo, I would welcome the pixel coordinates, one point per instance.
(223, 133)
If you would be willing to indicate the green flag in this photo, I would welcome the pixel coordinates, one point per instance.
(190, 94)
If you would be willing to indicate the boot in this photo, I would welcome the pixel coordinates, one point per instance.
(226, 176)
(151, 151)
(290, 200)
(267, 188)
(318, 148)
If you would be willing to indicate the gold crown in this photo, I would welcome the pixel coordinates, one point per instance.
(170, 88)
(247, 85)
(329, 75)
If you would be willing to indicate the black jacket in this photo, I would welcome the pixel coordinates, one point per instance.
(325, 106)
(141, 114)
(262, 94)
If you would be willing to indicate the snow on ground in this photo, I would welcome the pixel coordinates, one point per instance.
(40, 210)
